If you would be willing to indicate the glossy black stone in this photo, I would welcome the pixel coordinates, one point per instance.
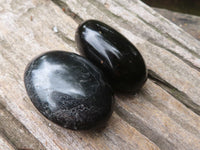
(68, 90)
(118, 58)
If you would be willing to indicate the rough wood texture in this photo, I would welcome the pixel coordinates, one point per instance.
(163, 115)
(189, 23)
(5, 144)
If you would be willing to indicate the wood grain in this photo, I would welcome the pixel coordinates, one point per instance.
(163, 115)
(5, 143)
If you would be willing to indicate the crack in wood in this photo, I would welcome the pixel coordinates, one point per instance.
(179, 95)
(68, 11)
(3, 135)
(184, 124)
(143, 128)
(65, 38)
(189, 63)
(176, 55)
(16, 132)
(183, 59)
(169, 37)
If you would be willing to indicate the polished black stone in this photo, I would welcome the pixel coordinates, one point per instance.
(118, 58)
(68, 90)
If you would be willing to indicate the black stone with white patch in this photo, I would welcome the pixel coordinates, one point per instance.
(68, 90)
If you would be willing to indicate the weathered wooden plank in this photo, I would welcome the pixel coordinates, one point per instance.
(16, 132)
(5, 144)
(30, 34)
(86, 14)
(161, 118)
(158, 112)
(190, 23)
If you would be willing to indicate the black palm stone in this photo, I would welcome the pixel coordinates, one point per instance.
(118, 58)
(68, 90)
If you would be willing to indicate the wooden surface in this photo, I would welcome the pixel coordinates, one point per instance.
(187, 22)
(163, 115)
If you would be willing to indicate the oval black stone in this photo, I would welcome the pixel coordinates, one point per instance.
(118, 58)
(68, 90)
